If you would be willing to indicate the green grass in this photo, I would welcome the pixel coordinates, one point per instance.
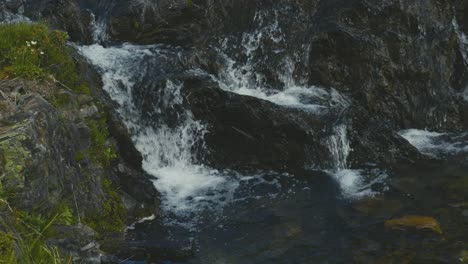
(26, 245)
(32, 51)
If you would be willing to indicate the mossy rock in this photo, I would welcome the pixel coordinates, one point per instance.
(13, 158)
(113, 215)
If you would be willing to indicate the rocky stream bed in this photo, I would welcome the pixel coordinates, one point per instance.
(248, 131)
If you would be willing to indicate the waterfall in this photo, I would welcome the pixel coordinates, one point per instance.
(244, 76)
(354, 183)
(98, 29)
(186, 185)
(339, 147)
(142, 80)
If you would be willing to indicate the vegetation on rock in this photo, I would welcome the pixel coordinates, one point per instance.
(100, 151)
(23, 238)
(32, 51)
(39, 60)
(112, 218)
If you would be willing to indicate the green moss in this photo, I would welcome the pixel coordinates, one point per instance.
(80, 156)
(7, 248)
(32, 51)
(13, 158)
(112, 217)
(99, 151)
(60, 100)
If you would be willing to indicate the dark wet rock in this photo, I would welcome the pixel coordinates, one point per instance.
(179, 22)
(153, 241)
(166, 21)
(461, 8)
(401, 62)
(60, 14)
(375, 141)
(246, 132)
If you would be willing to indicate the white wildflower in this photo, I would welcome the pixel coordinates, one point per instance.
(33, 42)
(42, 53)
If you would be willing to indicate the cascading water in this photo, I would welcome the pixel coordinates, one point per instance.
(168, 136)
(167, 149)
(244, 76)
(353, 183)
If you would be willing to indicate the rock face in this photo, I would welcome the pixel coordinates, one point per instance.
(49, 161)
(401, 62)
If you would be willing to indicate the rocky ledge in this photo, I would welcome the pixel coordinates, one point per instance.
(65, 158)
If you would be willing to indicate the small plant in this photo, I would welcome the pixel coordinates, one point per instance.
(27, 244)
(32, 248)
(99, 151)
(112, 218)
(32, 51)
(65, 215)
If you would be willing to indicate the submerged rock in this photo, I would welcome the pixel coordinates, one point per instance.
(414, 221)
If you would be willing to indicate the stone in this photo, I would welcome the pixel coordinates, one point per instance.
(414, 221)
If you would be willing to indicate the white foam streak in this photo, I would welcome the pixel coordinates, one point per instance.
(435, 144)
(243, 78)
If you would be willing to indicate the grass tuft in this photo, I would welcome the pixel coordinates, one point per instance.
(32, 51)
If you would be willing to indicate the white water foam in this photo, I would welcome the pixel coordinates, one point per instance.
(436, 144)
(235, 79)
(356, 184)
(244, 79)
(98, 29)
(186, 187)
(353, 183)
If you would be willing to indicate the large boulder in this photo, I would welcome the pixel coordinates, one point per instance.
(401, 61)
(249, 133)
(66, 15)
